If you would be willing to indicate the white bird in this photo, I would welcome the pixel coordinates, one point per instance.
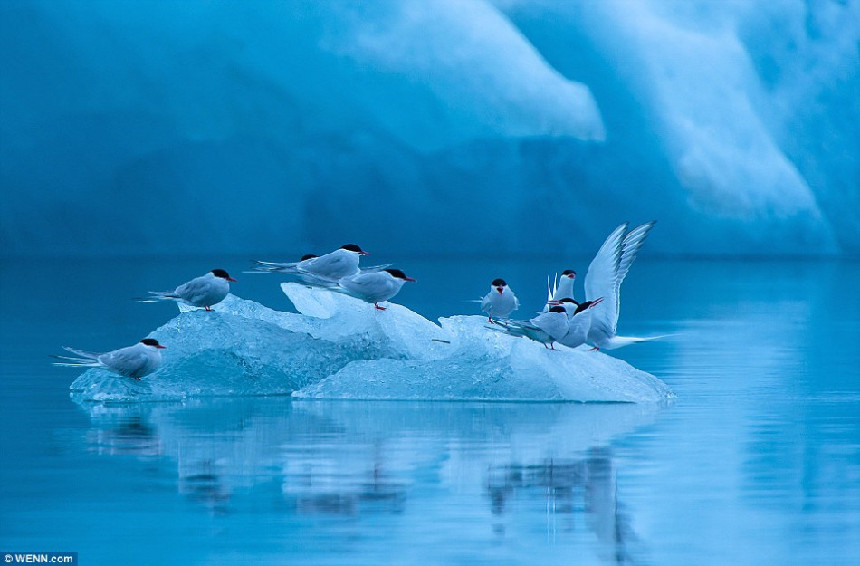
(560, 288)
(327, 268)
(203, 291)
(133, 361)
(605, 275)
(500, 301)
(546, 328)
(579, 321)
(374, 287)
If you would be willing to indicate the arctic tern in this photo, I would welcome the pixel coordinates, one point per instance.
(561, 287)
(579, 321)
(500, 301)
(133, 361)
(374, 287)
(547, 327)
(327, 268)
(203, 291)
(605, 275)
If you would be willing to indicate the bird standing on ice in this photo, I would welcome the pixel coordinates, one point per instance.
(374, 287)
(561, 288)
(500, 301)
(579, 321)
(547, 327)
(327, 268)
(133, 361)
(203, 291)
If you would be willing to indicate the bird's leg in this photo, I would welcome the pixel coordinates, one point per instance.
(594, 348)
(490, 319)
(378, 307)
(207, 308)
(552, 346)
(545, 346)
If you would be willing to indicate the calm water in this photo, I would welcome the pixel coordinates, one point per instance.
(756, 462)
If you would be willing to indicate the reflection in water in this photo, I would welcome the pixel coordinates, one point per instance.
(424, 465)
(205, 488)
(585, 486)
(123, 435)
(379, 494)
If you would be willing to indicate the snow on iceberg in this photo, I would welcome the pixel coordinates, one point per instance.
(343, 348)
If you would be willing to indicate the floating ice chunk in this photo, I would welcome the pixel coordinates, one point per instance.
(485, 365)
(243, 348)
(249, 309)
(349, 350)
(337, 316)
(311, 302)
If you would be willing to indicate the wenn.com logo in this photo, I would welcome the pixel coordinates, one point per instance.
(40, 558)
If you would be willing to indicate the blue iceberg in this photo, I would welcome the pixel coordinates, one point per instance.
(338, 347)
(734, 123)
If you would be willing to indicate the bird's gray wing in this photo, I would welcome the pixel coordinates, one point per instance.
(602, 281)
(327, 264)
(365, 284)
(125, 361)
(629, 248)
(195, 290)
(553, 323)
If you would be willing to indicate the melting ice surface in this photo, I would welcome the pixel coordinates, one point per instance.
(343, 348)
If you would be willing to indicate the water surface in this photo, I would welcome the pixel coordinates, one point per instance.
(756, 462)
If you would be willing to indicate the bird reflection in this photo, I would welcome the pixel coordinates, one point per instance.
(200, 484)
(319, 490)
(572, 487)
(131, 437)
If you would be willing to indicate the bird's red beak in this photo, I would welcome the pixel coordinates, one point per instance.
(363, 253)
(410, 279)
(231, 279)
(160, 347)
(553, 303)
(500, 290)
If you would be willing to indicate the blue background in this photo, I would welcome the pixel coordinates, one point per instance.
(427, 127)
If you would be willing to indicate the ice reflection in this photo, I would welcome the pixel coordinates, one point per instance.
(479, 472)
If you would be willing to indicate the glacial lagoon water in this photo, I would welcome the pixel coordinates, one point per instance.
(757, 460)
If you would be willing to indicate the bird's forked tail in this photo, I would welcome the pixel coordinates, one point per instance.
(272, 267)
(85, 359)
(620, 341)
(156, 296)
